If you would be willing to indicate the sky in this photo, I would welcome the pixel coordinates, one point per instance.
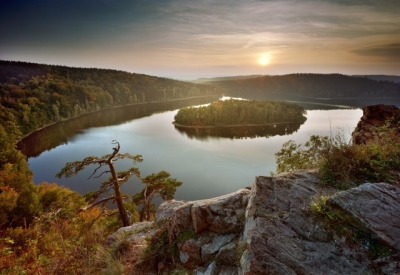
(203, 38)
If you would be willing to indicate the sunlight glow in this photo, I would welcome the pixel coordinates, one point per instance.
(264, 59)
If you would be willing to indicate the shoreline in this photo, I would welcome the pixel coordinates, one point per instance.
(113, 107)
(235, 125)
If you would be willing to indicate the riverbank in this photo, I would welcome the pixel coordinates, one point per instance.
(235, 125)
(115, 107)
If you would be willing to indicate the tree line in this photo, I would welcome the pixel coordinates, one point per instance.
(309, 86)
(240, 112)
(35, 95)
(42, 227)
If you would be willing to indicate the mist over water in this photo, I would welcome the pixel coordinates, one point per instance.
(208, 165)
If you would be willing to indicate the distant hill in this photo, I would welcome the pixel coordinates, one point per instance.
(394, 78)
(34, 95)
(354, 91)
(203, 80)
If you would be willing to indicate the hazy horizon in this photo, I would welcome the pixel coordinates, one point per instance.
(203, 39)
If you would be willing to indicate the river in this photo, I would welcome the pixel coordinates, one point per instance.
(209, 165)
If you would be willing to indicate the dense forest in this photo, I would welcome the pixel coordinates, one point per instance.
(313, 87)
(41, 228)
(34, 95)
(240, 112)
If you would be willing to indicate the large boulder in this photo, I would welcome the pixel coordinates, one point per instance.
(222, 215)
(373, 208)
(373, 117)
(165, 210)
(283, 238)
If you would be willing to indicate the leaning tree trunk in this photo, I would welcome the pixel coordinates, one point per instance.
(118, 195)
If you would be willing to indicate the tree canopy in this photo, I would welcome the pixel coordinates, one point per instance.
(156, 185)
(240, 112)
(35, 95)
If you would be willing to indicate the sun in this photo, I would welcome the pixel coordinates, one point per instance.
(264, 59)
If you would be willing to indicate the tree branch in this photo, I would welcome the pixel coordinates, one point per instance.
(105, 172)
(98, 202)
(95, 170)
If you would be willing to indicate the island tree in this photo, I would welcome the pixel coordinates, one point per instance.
(113, 183)
(240, 112)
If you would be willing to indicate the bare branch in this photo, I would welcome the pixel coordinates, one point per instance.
(96, 203)
(95, 170)
(105, 172)
(99, 202)
(116, 150)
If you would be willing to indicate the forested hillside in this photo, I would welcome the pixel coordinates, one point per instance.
(34, 95)
(41, 229)
(313, 87)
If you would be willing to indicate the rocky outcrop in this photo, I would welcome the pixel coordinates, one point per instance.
(270, 229)
(373, 117)
(283, 238)
(373, 209)
(217, 223)
(222, 215)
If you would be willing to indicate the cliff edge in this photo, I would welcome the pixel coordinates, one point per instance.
(286, 224)
(271, 229)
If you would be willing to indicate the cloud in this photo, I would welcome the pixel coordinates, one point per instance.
(388, 52)
(158, 33)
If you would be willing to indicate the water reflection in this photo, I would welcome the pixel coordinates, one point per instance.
(64, 131)
(239, 132)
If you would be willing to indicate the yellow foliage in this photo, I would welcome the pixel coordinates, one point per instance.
(8, 200)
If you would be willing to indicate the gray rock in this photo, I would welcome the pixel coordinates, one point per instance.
(165, 211)
(180, 220)
(282, 237)
(221, 214)
(278, 232)
(128, 230)
(373, 208)
(226, 254)
(210, 249)
(189, 253)
(212, 269)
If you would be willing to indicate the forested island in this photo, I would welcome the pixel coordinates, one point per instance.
(239, 113)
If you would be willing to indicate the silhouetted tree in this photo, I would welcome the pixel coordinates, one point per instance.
(113, 183)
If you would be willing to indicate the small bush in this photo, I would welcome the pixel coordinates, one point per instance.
(344, 165)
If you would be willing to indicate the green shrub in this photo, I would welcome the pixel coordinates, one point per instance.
(344, 165)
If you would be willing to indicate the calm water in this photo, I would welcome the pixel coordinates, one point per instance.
(207, 165)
